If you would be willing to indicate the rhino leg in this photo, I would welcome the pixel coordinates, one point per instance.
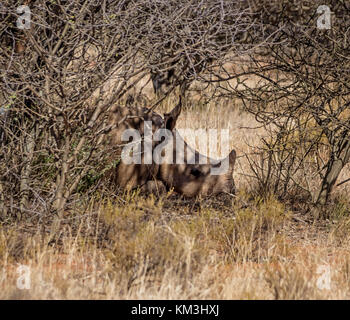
(154, 186)
(130, 176)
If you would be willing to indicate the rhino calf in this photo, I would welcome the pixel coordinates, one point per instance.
(189, 178)
(130, 176)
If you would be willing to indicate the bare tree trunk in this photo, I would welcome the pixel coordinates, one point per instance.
(28, 150)
(3, 210)
(335, 165)
(60, 199)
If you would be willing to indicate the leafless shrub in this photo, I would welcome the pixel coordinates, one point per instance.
(301, 95)
(60, 78)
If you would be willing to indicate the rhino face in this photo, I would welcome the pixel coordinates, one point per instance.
(193, 178)
(197, 179)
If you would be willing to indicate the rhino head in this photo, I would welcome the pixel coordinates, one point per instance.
(194, 175)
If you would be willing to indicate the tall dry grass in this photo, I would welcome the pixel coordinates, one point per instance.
(146, 248)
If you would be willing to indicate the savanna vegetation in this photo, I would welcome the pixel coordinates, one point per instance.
(263, 69)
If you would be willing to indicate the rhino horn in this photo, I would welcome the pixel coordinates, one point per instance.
(171, 117)
(232, 158)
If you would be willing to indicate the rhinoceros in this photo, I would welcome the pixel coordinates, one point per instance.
(189, 178)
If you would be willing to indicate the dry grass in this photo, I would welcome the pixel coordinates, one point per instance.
(145, 248)
(136, 246)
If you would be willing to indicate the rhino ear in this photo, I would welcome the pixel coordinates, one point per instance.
(171, 117)
(232, 158)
